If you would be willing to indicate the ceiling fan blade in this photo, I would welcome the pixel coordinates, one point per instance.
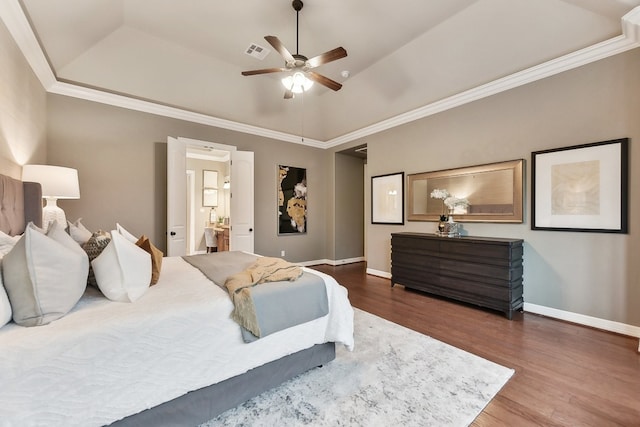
(277, 45)
(325, 81)
(329, 56)
(288, 94)
(263, 71)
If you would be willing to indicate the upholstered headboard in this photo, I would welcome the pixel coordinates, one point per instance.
(20, 202)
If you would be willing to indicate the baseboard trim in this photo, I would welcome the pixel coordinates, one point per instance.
(333, 262)
(581, 319)
(379, 273)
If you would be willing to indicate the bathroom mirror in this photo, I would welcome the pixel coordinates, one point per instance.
(209, 188)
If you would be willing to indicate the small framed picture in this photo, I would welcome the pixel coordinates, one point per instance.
(387, 199)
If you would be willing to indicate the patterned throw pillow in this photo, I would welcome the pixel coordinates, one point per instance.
(94, 247)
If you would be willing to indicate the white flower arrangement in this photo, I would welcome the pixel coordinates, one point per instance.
(448, 201)
(453, 202)
(440, 194)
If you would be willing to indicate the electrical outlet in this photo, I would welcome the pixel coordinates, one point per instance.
(281, 253)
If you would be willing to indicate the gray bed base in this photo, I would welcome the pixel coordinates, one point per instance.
(199, 406)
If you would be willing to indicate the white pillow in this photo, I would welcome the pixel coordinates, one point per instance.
(79, 232)
(7, 243)
(5, 306)
(122, 270)
(44, 275)
(130, 237)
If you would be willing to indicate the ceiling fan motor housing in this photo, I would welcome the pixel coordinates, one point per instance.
(300, 61)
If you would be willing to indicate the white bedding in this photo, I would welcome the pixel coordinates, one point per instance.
(106, 360)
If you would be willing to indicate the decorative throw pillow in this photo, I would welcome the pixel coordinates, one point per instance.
(130, 237)
(156, 257)
(44, 276)
(122, 270)
(7, 243)
(5, 305)
(79, 232)
(94, 247)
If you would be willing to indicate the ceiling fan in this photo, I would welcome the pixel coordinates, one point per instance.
(301, 77)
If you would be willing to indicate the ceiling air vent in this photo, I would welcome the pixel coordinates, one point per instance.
(257, 51)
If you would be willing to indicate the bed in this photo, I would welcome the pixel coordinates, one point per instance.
(173, 357)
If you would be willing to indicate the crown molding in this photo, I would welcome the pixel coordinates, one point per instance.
(576, 59)
(116, 100)
(18, 25)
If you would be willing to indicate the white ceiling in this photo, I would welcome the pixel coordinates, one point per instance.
(405, 57)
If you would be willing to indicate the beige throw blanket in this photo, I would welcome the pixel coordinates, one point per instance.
(264, 270)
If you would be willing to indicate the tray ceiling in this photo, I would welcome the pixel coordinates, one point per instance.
(402, 56)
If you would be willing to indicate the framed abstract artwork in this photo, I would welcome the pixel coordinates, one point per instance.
(581, 188)
(387, 199)
(292, 200)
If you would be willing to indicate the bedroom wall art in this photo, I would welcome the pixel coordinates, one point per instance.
(493, 192)
(581, 188)
(387, 199)
(292, 200)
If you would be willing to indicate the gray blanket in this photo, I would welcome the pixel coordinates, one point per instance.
(279, 305)
(218, 266)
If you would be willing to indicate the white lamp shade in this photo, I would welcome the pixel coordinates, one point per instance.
(57, 182)
(297, 83)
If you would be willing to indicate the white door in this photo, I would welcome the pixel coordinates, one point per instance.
(176, 197)
(241, 218)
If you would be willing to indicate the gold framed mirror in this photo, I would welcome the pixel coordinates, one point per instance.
(494, 192)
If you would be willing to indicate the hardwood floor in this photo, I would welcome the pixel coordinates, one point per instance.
(565, 374)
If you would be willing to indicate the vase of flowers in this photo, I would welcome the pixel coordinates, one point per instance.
(447, 226)
(442, 225)
(441, 194)
(453, 202)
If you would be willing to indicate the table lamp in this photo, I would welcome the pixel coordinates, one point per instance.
(57, 183)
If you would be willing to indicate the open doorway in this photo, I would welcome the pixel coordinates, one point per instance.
(350, 204)
(239, 207)
(208, 196)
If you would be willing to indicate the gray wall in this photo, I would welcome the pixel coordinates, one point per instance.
(121, 160)
(22, 110)
(593, 274)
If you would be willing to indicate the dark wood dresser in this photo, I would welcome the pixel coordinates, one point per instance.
(483, 271)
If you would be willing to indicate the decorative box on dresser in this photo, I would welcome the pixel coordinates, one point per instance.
(484, 271)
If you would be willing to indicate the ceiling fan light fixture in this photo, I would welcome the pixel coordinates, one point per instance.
(297, 82)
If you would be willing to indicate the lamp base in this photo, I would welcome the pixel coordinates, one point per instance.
(52, 212)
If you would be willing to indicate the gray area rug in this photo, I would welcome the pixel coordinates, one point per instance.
(394, 377)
